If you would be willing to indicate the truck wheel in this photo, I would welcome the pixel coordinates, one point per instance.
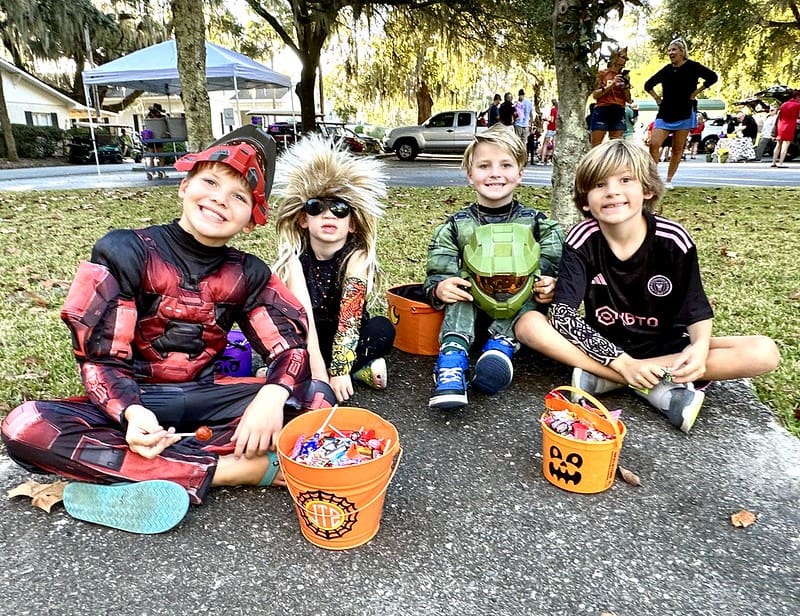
(406, 150)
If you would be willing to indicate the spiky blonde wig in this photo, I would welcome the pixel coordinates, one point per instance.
(313, 167)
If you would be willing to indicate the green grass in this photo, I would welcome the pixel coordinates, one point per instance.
(748, 241)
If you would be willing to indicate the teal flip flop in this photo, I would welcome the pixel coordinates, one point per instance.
(272, 469)
(147, 507)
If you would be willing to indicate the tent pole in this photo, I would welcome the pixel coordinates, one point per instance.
(91, 128)
(238, 110)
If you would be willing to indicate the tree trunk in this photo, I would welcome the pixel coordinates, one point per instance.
(424, 103)
(5, 124)
(305, 92)
(190, 41)
(574, 79)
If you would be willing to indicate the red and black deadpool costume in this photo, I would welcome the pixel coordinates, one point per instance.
(149, 316)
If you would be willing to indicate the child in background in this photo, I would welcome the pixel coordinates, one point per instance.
(327, 224)
(149, 315)
(648, 321)
(494, 163)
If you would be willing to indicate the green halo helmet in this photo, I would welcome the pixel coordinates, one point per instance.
(501, 261)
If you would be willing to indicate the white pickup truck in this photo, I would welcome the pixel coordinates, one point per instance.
(448, 132)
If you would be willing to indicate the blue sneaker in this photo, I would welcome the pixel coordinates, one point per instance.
(145, 507)
(451, 381)
(494, 370)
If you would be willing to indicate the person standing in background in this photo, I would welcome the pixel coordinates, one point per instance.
(506, 112)
(494, 110)
(611, 94)
(631, 116)
(525, 116)
(787, 126)
(547, 147)
(766, 145)
(676, 111)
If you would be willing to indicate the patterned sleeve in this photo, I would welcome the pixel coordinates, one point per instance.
(564, 316)
(345, 340)
(566, 320)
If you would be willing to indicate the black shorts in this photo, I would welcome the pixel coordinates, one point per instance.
(608, 118)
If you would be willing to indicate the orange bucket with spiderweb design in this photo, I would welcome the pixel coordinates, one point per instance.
(339, 507)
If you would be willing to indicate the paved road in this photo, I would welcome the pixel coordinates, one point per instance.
(470, 526)
(425, 171)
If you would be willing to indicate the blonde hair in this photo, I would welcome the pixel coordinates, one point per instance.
(609, 158)
(503, 137)
(314, 167)
(681, 43)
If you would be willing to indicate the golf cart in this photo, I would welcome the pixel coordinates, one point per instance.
(114, 142)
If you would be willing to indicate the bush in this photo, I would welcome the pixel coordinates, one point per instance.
(34, 141)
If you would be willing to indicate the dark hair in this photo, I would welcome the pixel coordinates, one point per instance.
(521, 92)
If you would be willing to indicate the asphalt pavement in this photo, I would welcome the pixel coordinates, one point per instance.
(470, 525)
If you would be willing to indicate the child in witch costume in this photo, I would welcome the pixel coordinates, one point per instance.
(149, 315)
(647, 320)
(329, 203)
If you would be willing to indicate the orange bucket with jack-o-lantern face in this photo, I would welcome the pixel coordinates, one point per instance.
(580, 466)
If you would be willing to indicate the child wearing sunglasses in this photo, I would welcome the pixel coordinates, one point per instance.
(494, 163)
(327, 224)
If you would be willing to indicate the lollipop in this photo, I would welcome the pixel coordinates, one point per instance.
(203, 433)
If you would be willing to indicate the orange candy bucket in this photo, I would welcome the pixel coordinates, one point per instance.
(586, 467)
(339, 507)
(416, 323)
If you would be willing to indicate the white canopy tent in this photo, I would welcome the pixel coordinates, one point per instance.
(155, 69)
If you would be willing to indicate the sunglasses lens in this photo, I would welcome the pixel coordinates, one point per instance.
(315, 207)
(339, 208)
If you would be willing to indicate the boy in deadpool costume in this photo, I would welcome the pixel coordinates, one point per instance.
(149, 314)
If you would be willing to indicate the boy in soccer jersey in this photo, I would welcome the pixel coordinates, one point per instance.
(647, 320)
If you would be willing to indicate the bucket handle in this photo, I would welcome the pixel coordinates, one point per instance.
(598, 405)
(396, 463)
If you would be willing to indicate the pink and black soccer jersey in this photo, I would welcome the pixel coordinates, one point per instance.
(642, 305)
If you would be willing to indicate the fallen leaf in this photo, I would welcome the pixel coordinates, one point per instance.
(629, 476)
(795, 295)
(743, 518)
(43, 495)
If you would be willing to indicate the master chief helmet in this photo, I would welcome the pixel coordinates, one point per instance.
(501, 261)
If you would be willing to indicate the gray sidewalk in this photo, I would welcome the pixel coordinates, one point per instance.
(470, 525)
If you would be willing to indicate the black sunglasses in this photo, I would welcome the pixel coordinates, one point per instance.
(315, 207)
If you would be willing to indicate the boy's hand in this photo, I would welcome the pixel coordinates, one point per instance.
(452, 290)
(145, 435)
(544, 289)
(342, 386)
(261, 423)
(640, 373)
(690, 364)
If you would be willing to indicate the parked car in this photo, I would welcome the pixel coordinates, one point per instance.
(109, 143)
(448, 132)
